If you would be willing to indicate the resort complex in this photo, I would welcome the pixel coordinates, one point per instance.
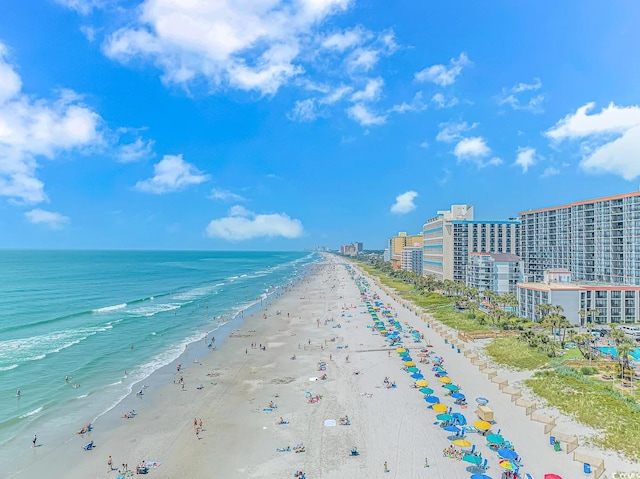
(583, 256)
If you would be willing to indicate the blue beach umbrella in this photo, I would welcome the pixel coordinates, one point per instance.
(432, 399)
(417, 376)
(507, 453)
(457, 396)
(480, 476)
(427, 391)
(407, 358)
(452, 429)
(495, 439)
(413, 369)
(482, 401)
(472, 459)
(444, 417)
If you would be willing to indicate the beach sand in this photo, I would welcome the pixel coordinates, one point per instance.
(240, 438)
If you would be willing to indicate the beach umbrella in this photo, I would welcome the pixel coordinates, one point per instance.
(495, 439)
(422, 355)
(437, 368)
(439, 407)
(445, 380)
(404, 353)
(423, 383)
(482, 401)
(451, 387)
(480, 476)
(552, 476)
(409, 363)
(452, 429)
(432, 399)
(417, 376)
(508, 465)
(507, 453)
(472, 459)
(427, 391)
(407, 358)
(413, 369)
(457, 396)
(444, 417)
(461, 443)
(482, 425)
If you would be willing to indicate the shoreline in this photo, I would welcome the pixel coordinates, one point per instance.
(109, 420)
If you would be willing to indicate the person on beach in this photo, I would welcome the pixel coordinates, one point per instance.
(35, 439)
(18, 393)
(109, 464)
(386, 468)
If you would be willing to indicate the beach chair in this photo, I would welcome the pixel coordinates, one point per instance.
(89, 446)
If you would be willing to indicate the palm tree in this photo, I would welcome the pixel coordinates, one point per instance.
(582, 314)
(624, 348)
(542, 310)
(583, 341)
(563, 326)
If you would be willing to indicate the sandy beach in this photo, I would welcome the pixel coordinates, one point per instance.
(321, 319)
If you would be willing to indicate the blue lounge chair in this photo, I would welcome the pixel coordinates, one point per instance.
(89, 446)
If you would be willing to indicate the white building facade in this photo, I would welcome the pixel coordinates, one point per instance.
(498, 272)
(412, 259)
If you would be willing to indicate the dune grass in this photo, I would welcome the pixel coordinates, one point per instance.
(513, 352)
(594, 403)
(399, 286)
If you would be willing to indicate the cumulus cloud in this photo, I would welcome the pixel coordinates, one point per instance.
(526, 158)
(475, 150)
(364, 116)
(172, 173)
(371, 91)
(440, 101)
(225, 195)
(444, 75)
(609, 140)
(242, 224)
(365, 58)
(346, 39)
(519, 97)
(47, 218)
(84, 7)
(140, 149)
(31, 129)
(244, 45)
(452, 131)
(304, 110)
(416, 104)
(404, 203)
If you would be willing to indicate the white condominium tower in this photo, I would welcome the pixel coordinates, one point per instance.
(597, 240)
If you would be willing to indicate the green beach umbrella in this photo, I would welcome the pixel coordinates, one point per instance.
(413, 369)
(444, 417)
(427, 391)
(451, 387)
(495, 439)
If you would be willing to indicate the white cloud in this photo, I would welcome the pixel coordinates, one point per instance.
(304, 110)
(172, 173)
(48, 218)
(550, 171)
(365, 58)
(526, 158)
(371, 92)
(610, 139)
(138, 150)
(424, 145)
(242, 224)
(37, 128)
(89, 32)
(444, 75)
(225, 195)
(364, 116)
(416, 105)
(442, 102)
(404, 203)
(248, 45)
(512, 97)
(346, 39)
(452, 131)
(83, 7)
(336, 95)
(475, 150)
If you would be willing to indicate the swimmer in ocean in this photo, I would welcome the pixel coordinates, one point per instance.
(18, 393)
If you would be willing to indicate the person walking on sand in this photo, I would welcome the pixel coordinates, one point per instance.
(426, 462)
(386, 468)
(109, 464)
(35, 439)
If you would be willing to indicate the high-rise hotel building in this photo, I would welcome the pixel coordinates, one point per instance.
(451, 235)
(597, 240)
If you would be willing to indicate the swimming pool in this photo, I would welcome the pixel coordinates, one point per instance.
(635, 354)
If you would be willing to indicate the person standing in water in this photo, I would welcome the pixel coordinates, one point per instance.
(18, 393)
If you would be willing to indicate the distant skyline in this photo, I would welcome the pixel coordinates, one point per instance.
(285, 125)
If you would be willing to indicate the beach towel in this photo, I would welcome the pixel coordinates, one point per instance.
(153, 464)
(330, 422)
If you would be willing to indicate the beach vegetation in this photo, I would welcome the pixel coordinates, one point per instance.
(514, 352)
(595, 403)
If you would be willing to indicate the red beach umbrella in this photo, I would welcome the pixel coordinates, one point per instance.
(552, 476)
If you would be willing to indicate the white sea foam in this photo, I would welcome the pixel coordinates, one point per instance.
(149, 311)
(107, 309)
(31, 413)
(8, 368)
(83, 396)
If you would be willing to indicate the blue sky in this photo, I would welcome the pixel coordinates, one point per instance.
(246, 124)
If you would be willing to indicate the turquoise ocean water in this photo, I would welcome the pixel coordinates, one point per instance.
(78, 314)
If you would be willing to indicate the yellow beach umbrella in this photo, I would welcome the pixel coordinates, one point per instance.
(462, 443)
(422, 383)
(409, 363)
(445, 380)
(401, 350)
(482, 425)
(440, 407)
